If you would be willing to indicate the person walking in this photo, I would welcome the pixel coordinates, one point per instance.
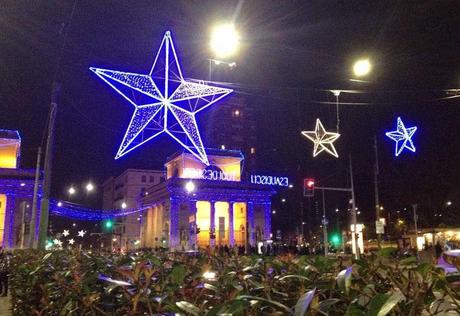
(4, 271)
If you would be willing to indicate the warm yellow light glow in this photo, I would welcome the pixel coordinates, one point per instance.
(362, 67)
(221, 220)
(224, 40)
(2, 216)
(239, 223)
(203, 211)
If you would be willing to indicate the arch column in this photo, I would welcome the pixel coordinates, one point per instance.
(231, 230)
(192, 232)
(212, 223)
(250, 218)
(174, 224)
(268, 220)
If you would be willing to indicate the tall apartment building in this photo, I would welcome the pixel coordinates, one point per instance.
(124, 192)
(232, 125)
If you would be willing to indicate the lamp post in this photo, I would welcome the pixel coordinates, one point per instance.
(224, 43)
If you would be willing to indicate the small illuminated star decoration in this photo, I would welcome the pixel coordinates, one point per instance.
(81, 233)
(57, 242)
(164, 102)
(71, 241)
(322, 140)
(403, 137)
(65, 233)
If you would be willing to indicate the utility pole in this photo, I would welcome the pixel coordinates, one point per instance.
(302, 229)
(23, 223)
(376, 191)
(326, 244)
(414, 208)
(44, 209)
(33, 218)
(353, 211)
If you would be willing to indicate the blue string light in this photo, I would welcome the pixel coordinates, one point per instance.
(163, 102)
(75, 211)
(403, 137)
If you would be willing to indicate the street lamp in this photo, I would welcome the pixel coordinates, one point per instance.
(362, 67)
(71, 191)
(224, 40)
(449, 203)
(123, 205)
(89, 187)
(190, 187)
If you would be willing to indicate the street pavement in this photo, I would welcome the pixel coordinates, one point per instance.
(5, 306)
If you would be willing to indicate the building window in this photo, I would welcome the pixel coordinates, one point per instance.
(253, 150)
(152, 179)
(144, 179)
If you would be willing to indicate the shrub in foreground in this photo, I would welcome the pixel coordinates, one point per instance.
(145, 283)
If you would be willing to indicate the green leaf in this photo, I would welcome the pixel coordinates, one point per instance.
(382, 304)
(178, 274)
(408, 261)
(303, 303)
(326, 305)
(289, 276)
(210, 287)
(274, 304)
(188, 308)
(344, 279)
(387, 252)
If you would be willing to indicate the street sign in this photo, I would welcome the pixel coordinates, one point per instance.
(379, 228)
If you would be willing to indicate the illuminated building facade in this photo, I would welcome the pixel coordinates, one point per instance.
(124, 192)
(201, 206)
(16, 192)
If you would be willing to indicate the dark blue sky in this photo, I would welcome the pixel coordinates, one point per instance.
(292, 51)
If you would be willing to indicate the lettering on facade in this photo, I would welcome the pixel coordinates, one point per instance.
(269, 180)
(209, 174)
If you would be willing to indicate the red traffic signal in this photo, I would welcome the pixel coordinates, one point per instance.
(309, 187)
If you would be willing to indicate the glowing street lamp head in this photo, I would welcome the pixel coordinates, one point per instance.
(123, 205)
(72, 191)
(89, 187)
(224, 40)
(362, 67)
(190, 187)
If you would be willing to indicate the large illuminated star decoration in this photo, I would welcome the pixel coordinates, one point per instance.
(403, 137)
(322, 140)
(164, 102)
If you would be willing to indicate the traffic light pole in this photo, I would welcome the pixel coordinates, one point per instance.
(354, 220)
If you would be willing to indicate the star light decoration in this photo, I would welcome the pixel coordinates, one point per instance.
(81, 233)
(65, 233)
(322, 140)
(403, 137)
(71, 241)
(164, 102)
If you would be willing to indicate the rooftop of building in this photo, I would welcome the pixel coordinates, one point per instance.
(211, 152)
(9, 134)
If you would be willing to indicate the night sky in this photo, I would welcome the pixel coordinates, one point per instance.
(293, 53)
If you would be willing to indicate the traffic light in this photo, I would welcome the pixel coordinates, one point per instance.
(335, 239)
(108, 224)
(309, 187)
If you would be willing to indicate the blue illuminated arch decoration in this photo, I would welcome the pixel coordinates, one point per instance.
(164, 102)
(402, 137)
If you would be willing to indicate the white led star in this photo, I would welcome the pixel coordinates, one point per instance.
(56, 241)
(71, 241)
(403, 137)
(81, 233)
(65, 233)
(322, 140)
(163, 102)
